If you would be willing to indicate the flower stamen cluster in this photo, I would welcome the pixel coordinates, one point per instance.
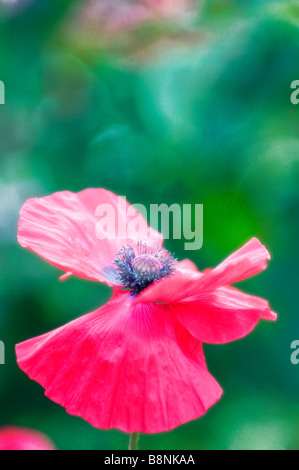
(136, 271)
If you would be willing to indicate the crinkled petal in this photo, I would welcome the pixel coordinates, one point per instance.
(223, 315)
(186, 266)
(173, 288)
(124, 367)
(248, 261)
(245, 262)
(68, 230)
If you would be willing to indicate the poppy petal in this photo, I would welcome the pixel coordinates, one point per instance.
(124, 367)
(173, 288)
(18, 438)
(223, 315)
(245, 262)
(65, 230)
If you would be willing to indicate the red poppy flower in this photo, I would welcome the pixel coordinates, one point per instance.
(16, 438)
(135, 364)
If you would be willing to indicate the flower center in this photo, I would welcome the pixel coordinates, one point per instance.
(146, 265)
(136, 271)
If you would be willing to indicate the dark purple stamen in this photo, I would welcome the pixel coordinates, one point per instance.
(136, 271)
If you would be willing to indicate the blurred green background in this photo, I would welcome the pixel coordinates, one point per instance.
(175, 102)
